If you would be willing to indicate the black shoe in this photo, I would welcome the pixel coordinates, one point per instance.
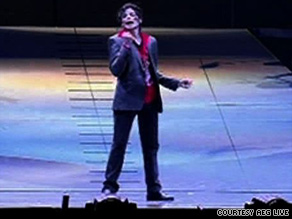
(158, 196)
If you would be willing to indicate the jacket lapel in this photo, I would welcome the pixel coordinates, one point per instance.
(152, 59)
(138, 56)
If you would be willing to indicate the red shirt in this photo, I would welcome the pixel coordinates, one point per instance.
(150, 93)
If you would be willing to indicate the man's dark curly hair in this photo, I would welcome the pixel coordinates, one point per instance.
(122, 10)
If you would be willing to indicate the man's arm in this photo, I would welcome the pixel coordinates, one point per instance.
(168, 82)
(118, 53)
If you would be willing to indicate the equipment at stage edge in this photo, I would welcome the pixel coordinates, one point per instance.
(116, 203)
(107, 203)
(110, 203)
(273, 203)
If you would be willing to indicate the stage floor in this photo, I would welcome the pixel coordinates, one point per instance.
(222, 142)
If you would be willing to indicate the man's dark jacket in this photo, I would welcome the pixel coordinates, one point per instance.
(126, 65)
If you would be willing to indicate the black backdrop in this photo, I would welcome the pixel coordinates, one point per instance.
(160, 13)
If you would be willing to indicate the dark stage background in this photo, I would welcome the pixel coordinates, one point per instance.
(183, 13)
(255, 15)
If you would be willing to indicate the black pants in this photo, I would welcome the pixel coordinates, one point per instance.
(148, 130)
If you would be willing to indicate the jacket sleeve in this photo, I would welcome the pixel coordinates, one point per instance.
(117, 56)
(168, 82)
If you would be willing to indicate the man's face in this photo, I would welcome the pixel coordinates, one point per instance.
(130, 19)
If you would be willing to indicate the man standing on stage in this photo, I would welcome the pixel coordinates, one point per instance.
(133, 58)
